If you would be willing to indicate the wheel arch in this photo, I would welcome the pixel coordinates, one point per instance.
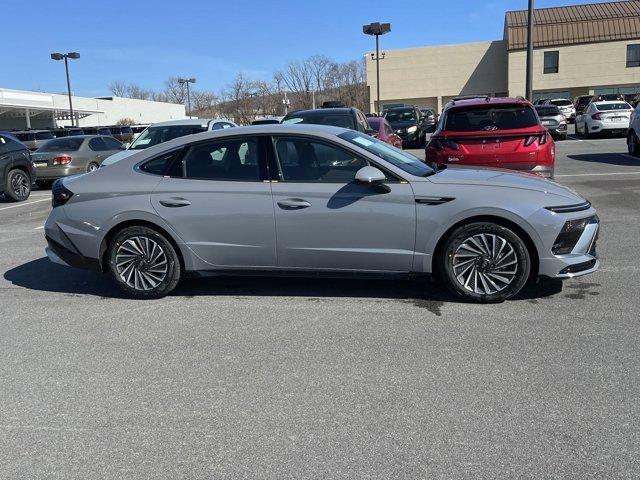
(115, 229)
(505, 222)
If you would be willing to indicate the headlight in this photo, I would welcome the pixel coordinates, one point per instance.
(570, 234)
(412, 129)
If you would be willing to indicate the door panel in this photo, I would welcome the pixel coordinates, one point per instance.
(225, 223)
(345, 226)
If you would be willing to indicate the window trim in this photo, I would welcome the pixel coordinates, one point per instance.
(629, 63)
(391, 177)
(551, 70)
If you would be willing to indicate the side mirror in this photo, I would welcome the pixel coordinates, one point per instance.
(370, 176)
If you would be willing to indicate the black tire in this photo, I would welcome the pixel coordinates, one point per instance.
(44, 184)
(92, 167)
(141, 287)
(633, 146)
(485, 286)
(17, 185)
(562, 137)
(587, 134)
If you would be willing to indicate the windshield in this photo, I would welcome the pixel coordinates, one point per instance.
(404, 161)
(334, 119)
(160, 134)
(65, 144)
(561, 103)
(404, 115)
(604, 107)
(490, 118)
(548, 111)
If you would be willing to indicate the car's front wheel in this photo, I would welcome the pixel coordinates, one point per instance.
(485, 262)
(17, 185)
(143, 263)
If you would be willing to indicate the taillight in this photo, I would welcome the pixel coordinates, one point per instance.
(62, 160)
(596, 116)
(59, 193)
(529, 140)
(543, 139)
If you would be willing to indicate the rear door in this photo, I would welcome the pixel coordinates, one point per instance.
(217, 199)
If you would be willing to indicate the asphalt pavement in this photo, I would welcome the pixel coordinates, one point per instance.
(239, 378)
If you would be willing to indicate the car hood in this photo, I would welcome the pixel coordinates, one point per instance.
(116, 157)
(494, 177)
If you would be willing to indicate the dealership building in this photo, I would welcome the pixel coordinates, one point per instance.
(578, 50)
(22, 109)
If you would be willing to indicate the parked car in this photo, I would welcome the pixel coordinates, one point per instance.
(633, 135)
(581, 102)
(493, 132)
(16, 168)
(33, 139)
(430, 118)
(294, 199)
(384, 132)
(552, 118)
(66, 132)
(164, 131)
(122, 133)
(66, 156)
(409, 123)
(351, 118)
(566, 107)
(611, 117)
(96, 131)
(267, 121)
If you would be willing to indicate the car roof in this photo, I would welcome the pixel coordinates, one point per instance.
(322, 111)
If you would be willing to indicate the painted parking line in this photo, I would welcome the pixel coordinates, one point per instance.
(596, 174)
(27, 203)
(39, 228)
(631, 156)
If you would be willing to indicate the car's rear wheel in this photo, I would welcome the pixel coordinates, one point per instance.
(143, 263)
(17, 185)
(485, 262)
(632, 144)
(92, 167)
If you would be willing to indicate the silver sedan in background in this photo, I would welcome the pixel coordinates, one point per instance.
(66, 156)
(315, 200)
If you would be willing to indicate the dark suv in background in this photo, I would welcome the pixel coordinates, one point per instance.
(350, 118)
(16, 168)
(409, 123)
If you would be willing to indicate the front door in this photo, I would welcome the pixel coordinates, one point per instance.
(325, 220)
(220, 205)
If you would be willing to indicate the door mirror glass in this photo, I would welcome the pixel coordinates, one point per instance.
(370, 175)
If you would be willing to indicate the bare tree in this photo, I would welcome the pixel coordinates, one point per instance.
(126, 121)
(175, 91)
(118, 88)
(203, 100)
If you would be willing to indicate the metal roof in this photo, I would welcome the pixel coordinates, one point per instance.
(589, 23)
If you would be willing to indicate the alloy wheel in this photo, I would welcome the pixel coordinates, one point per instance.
(92, 167)
(20, 185)
(485, 263)
(141, 263)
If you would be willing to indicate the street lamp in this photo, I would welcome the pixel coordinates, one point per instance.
(376, 29)
(65, 56)
(182, 81)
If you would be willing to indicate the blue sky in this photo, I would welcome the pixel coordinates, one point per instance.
(145, 42)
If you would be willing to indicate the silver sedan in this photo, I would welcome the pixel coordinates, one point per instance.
(307, 199)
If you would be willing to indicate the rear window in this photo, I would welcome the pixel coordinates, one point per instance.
(605, 107)
(490, 118)
(561, 103)
(334, 120)
(400, 115)
(64, 144)
(548, 111)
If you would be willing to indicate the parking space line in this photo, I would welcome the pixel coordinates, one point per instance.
(630, 156)
(25, 204)
(597, 174)
(39, 228)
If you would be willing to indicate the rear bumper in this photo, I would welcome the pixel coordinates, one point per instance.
(609, 126)
(69, 255)
(53, 173)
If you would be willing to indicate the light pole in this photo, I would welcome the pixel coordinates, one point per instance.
(376, 29)
(182, 81)
(530, 27)
(65, 56)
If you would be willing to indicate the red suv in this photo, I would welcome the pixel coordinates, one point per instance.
(492, 132)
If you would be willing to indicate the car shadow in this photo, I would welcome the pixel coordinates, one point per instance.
(622, 159)
(43, 275)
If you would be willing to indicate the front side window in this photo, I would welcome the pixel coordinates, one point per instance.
(551, 61)
(233, 159)
(97, 145)
(306, 160)
(633, 55)
(112, 143)
(490, 118)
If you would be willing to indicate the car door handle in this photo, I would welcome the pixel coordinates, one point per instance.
(175, 202)
(293, 204)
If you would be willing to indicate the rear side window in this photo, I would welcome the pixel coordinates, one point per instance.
(490, 118)
(64, 144)
(233, 159)
(165, 164)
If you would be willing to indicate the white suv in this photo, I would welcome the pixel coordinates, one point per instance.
(566, 107)
(633, 135)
